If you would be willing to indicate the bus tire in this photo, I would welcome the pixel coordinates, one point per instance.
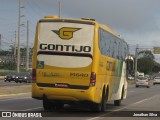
(118, 102)
(104, 100)
(59, 105)
(100, 107)
(47, 105)
(95, 107)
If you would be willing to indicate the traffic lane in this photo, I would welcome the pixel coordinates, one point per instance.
(23, 101)
(135, 109)
(138, 100)
(88, 116)
(147, 104)
(26, 103)
(134, 94)
(19, 104)
(14, 96)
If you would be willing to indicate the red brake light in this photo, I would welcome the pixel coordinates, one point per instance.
(93, 79)
(33, 74)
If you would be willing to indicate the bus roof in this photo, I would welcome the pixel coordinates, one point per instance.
(82, 20)
(72, 20)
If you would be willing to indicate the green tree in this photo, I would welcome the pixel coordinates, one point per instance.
(145, 65)
(145, 61)
(156, 67)
(146, 53)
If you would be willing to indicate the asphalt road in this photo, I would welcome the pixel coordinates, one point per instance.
(138, 100)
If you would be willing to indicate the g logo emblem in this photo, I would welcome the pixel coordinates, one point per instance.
(66, 32)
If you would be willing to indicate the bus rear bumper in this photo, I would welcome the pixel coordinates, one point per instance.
(62, 94)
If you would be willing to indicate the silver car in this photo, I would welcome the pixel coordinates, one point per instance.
(156, 80)
(142, 81)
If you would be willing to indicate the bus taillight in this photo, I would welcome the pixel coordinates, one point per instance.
(33, 74)
(93, 79)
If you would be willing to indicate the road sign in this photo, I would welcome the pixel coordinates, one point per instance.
(156, 50)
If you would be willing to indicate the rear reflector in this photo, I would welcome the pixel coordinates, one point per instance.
(33, 74)
(93, 79)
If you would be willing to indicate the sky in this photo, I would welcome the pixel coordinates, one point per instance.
(137, 21)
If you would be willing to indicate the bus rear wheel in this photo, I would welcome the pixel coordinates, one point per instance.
(100, 107)
(47, 105)
(117, 102)
(59, 105)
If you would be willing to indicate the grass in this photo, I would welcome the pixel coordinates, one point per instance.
(1, 77)
(15, 89)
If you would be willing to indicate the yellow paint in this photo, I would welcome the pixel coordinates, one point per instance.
(103, 66)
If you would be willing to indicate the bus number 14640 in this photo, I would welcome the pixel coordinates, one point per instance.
(79, 74)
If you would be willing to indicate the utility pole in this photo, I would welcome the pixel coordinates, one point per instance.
(0, 40)
(27, 47)
(59, 9)
(15, 47)
(18, 55)
(136, 55)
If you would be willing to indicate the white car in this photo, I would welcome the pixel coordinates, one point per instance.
(142, 81)
(130, 77)
(156, 80)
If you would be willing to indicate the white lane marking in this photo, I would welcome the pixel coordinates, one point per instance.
(23, 110)
(31, 109)
(131, 91)
(141, 101)
(15, 94)
(9, 99)
(99, 117)
(8, 110)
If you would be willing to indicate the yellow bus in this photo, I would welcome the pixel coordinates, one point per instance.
(78, 60)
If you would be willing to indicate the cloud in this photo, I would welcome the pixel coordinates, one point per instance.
(126, 15)
(137, 21)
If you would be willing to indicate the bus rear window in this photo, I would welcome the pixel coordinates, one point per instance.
(67, 45)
